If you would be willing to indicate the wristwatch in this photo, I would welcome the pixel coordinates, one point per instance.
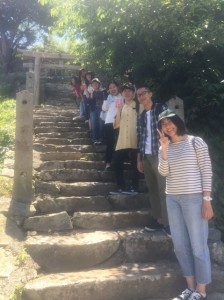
(207, 198)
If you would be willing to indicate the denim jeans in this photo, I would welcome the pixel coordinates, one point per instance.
(189, 233)
(96, 124)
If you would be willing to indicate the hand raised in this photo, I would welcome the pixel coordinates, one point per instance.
(164, 141)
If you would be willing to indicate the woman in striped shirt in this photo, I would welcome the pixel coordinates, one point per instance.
(185, 161)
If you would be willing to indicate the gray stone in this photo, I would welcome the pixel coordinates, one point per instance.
(141, 246)
(110, 220)
(214, 234)
(70, 204)
(217, 252)
(52, 222)
(73, 252)
(9, 231)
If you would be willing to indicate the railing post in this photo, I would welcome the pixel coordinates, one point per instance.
(30, 81)
(23, 165)
(36, 80)
(176, 104)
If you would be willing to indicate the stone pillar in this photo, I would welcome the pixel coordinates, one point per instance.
(23, 166)
(30, 81)
(36, 80)
(177, 105)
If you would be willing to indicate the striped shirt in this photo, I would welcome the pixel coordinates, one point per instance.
(187, 168)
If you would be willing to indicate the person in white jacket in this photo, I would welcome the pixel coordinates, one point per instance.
(110, 107)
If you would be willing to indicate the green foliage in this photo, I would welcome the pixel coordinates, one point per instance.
(21, 23)
(17, 295)
(7, 125)
(6, 186)
(22, 257)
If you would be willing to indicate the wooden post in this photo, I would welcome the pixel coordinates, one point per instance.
(23, 166)
(36, 80)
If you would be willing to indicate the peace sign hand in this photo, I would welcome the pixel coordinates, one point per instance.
(164, 141)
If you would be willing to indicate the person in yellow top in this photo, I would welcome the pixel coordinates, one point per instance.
(126, 148)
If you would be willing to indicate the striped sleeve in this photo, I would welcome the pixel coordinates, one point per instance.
(163, 167)
(204, 163)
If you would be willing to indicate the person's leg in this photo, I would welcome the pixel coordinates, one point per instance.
(82, 109)
(152, 184)
(119, 168)
(161, 186)
(93, 120)
(195, 255)
(109, 135)
(135, 174)
(101, 130)
(180, 238)
(198, 232)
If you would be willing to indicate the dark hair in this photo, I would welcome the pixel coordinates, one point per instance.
(112, 82)
(144, 86)
(76, 79)
(128, 86)
(85, 80)
(178, 122)
(89, 73)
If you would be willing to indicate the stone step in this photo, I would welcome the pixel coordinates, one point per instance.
(78, 175)
(62, 156)
(63, 148)
(75, 175)
(64, 141)
(80, 250)
(58, 222)
(69, 135)
(72, 164)
(151, 281)
(58, 188)
(58, 129)
(48, 204)
(110, 220)
(73, 189)
(55, 111)
(62, 124)
(55, 118)
(129, 282)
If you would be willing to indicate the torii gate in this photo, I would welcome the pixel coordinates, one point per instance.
(35, 68)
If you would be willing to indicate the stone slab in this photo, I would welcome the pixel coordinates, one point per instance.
(72, 252)
(50, 222)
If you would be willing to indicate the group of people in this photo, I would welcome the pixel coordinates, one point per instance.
(176, 166)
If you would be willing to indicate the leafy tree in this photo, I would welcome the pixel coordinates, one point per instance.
(21, 23)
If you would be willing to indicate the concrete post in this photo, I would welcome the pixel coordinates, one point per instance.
(36, 80)
(30, 81)
(23, 166)
(177, 105)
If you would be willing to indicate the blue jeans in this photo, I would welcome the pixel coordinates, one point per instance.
(96, 124)
(189, 233)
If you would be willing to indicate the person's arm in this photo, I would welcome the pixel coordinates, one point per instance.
(204, 164)
(163, 167)
(117, 119)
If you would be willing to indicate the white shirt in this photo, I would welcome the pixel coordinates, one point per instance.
(109, 106)
(148, 142)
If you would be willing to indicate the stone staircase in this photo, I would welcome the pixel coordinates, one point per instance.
(89, 245)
